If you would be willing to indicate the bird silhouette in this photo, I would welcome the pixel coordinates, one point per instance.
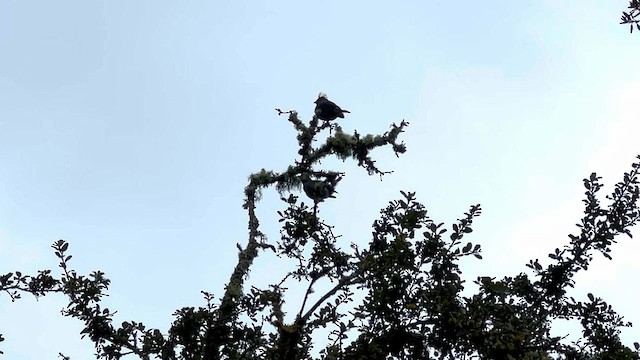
(319, 190)
(327, 110)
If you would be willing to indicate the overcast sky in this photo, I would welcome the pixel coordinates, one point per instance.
(129, 129)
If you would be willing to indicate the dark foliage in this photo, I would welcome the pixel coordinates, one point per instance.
(631, 17)
(408, 280)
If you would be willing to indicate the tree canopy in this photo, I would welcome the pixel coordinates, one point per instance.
(400, 296)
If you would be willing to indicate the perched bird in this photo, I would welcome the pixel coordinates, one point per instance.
(327, 110)
(319, 190)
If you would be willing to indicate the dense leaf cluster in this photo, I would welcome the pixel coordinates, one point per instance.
(632, 17)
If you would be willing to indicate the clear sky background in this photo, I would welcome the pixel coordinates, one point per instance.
(129, 129)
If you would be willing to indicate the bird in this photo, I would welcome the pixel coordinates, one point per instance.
(319, 190)
(327, 110)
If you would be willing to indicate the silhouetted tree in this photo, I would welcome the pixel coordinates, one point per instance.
(631, 17)
(398, 297)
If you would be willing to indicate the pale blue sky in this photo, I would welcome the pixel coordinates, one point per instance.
(129, 130)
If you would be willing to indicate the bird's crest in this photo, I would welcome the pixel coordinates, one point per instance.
(322, 95)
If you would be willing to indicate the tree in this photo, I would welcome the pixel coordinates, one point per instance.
(631, 17)
(398, 297)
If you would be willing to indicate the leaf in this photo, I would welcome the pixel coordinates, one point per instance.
(467, 247)
(590, 295)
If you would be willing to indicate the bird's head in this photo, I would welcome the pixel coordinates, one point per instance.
(321, 96)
